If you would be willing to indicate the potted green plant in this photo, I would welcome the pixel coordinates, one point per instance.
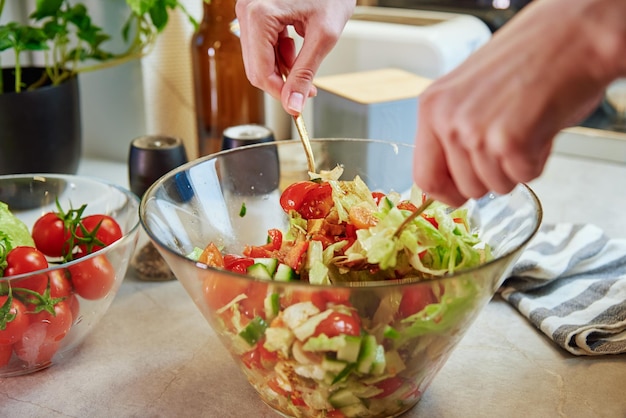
(39, 104)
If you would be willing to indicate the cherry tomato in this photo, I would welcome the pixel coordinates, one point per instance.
(13, 320)
(53, 326)
(60, 284)
(220, 289)
(317, 202)
(24, 259)
(310, 199)
(51, 235)
(293, 196)
(339, 324)
(104, 228)
(92, 278)
(6, 351)
(416, 298)
(61, 287)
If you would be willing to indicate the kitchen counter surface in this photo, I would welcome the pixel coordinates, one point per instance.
(153, 355)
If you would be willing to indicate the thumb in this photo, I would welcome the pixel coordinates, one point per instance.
(299, 82)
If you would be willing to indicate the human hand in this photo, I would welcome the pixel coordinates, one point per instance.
(490, 123)
(263, 25)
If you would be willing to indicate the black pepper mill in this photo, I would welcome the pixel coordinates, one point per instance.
(151, 157)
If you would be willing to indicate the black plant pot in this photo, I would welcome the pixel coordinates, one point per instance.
(40, 130)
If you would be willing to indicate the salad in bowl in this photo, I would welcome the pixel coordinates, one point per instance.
(330, 304)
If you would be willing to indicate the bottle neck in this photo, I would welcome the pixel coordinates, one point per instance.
(221, 10)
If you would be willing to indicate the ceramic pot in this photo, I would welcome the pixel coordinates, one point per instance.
(40, 130)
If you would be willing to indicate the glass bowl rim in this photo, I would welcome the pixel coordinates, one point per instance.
(130, 234)
(365, 284)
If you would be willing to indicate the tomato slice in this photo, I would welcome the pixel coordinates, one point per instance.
(416, 298)
(237, 264)
(339, 324)
(211, 256)
(293, 196)
(310, 199)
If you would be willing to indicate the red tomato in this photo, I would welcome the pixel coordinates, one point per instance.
(389, 386)
(51, 235)
(406, 205)
(296, 296)
(312, 200)
(253, 305)
(294, 256)
(339, 324)
(416, 298)
(74, 305)
(237, 264)
(60, 284)
(219, 289)
(103, 228)
(6, 351)
(13, 321)
(293, 196)
(317, 202)
(275, 240)
(24, 259)
(92, 278)
(55, 326)
(378, 196)
(337, 296)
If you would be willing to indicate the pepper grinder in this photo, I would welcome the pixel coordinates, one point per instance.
(149, 158)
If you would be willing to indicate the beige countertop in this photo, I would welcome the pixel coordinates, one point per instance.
(153, 354)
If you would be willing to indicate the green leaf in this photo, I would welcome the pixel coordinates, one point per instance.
(158, 14)
(46, 8)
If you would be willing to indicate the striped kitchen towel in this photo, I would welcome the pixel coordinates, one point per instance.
(570, 282)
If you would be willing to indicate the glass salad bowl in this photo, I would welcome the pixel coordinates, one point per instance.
(46, 314)
(356, 348)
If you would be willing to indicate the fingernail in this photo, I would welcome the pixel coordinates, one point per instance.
(296, 102)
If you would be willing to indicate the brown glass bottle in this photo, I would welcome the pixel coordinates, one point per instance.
(223, 95)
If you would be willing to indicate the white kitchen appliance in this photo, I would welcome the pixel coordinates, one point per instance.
(425, 43)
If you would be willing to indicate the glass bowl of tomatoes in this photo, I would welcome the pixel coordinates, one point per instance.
(327, 298)
(65, 245)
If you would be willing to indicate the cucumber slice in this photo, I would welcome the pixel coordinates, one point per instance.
(350, 350)
(259, 271)
(332, 365)
(271, 304)
(367, 354)
(269, 263)
(343, 398)
(284, 273)
(253, 332)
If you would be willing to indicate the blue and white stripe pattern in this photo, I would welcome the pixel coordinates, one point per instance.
(570, 282)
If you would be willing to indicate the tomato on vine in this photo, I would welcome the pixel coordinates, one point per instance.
(51, 235)
(93, 277)
(96, 232)
(13, 319)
